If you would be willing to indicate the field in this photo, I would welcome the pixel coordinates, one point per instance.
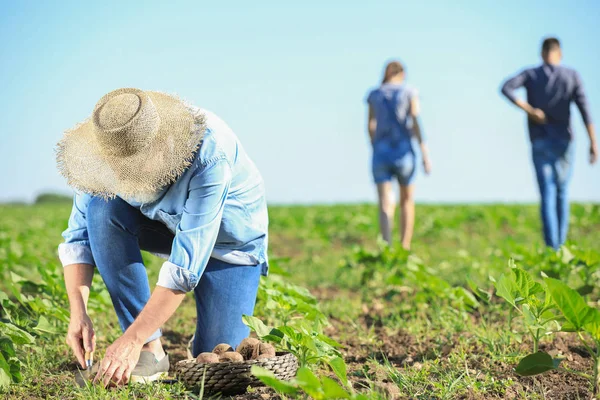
(450, 320)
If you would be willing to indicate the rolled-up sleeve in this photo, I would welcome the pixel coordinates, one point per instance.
(76, 247)
(196, 233)
(514, 83)
(580, 100)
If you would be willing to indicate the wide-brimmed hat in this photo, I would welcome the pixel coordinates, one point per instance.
(134, 144)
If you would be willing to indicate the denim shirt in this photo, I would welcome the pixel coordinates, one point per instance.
(216, 208)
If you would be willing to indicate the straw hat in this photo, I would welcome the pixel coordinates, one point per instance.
(133, 145)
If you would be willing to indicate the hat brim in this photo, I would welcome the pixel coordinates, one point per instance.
(166, 156)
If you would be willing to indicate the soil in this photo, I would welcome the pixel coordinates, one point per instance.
(403, 350)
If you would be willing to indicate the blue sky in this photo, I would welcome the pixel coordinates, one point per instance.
(291, 80)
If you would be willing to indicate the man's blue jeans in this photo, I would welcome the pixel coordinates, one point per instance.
(553, 161)
(117, 231)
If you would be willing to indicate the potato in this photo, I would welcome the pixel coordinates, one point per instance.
(267, 349)
(263, 349)
(231, 356)
(248, 348)
(222, 348)
(207, 358)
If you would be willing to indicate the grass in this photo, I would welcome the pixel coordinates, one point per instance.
(402, 340)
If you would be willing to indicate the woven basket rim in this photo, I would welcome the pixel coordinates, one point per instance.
(278, 354)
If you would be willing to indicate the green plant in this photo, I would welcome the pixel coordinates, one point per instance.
(385, 266)
(530, 300)
(318, 388)
(283, 303)
(578, 317)
(308, 344)
(580, 268)
(10, 335)
(313, 349)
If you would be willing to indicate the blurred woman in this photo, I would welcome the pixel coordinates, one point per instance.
(393, 124)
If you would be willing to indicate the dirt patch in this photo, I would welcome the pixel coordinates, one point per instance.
(367, 339)
(404, 350)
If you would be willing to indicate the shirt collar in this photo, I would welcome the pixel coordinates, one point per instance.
(549, 68)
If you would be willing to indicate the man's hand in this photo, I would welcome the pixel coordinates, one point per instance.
(119, 361)
(593, 153)
(81, 336)
(537, 116)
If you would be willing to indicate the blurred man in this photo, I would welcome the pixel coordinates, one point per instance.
(550, 90)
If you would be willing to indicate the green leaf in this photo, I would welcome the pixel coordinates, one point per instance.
(290, 332)
(268, 378)
(309, 343)
(309, 382)
(536, 363)
(16, 334)
(505, 288)
(338, 365)
(15, 371)
(565, 255)
(528, 316)
(333, 390)
(328, 340)
(568, 327)
(15, 278)
(271, 339)
(479, 292)
(593, 327)
(256, 325)
(536, 288)
(5, 379)
(44, 326)
(570, 303)
(466, 296)
(3, 296)
(4, 365)
(524, 282)
(6, 348)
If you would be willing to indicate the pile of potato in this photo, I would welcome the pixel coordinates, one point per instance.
(249, 349)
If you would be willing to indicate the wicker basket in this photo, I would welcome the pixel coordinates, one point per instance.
(229, 378)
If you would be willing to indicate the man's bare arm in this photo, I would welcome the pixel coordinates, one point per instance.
(78, 280)
(80, 334)
(162, 305)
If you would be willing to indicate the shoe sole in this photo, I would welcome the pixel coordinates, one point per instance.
(149, 378)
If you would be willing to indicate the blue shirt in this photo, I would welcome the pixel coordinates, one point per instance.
(216, 208)
(551, 88)
(391, 104)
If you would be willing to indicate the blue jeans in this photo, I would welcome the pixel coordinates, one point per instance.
(553, 161)
(117, 231)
